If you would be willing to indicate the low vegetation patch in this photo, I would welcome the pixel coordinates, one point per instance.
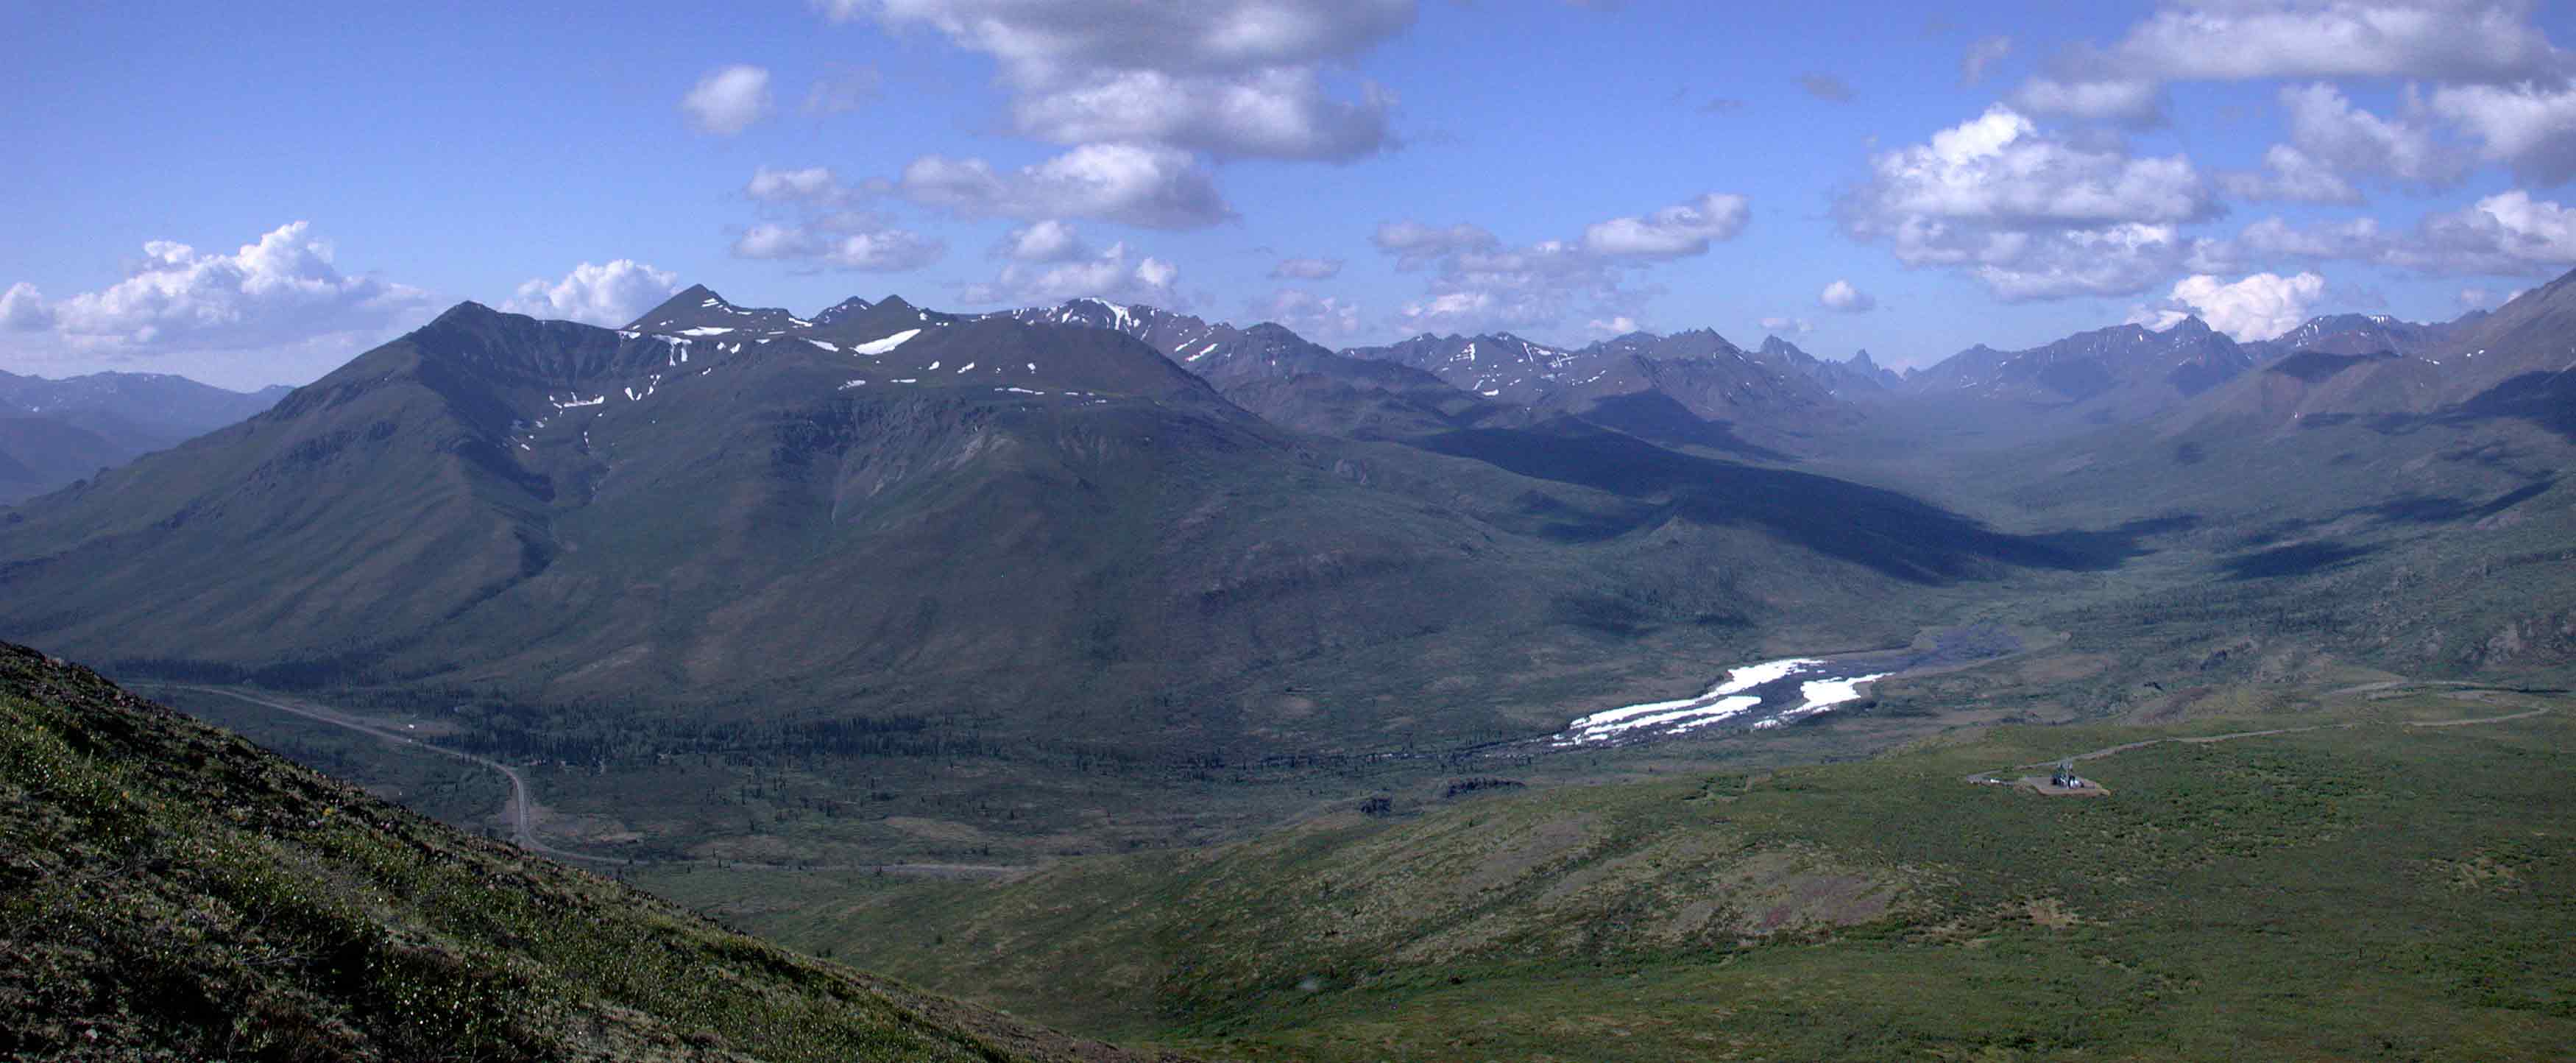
(2363, 891)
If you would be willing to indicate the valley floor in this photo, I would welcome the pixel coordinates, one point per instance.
(2386, 874)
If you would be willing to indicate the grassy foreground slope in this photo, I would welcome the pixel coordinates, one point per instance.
(2367, 889)
(169, 891)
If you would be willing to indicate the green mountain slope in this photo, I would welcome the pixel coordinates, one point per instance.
(40, 453)
(168, 891)
(2333, 880)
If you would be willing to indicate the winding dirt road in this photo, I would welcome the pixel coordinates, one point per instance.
(1987, 778)
(519, 811)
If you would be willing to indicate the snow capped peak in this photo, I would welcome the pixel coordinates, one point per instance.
(1119, 316)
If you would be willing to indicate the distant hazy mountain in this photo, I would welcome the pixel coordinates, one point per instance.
(2531, 338)
(1688, 389)
(2362, 334)
(1286, 380)
(53, 432)
(152, 402)
(1494, 365)
(2105, 376)
(2513, 361)
(1856, 377)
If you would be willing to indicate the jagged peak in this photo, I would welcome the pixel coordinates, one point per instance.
(686, 300)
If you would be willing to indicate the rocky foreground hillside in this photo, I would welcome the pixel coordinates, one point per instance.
(170, 891)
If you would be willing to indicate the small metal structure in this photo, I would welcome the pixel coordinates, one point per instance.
(2066, 777)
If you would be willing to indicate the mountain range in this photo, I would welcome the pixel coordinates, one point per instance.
(506, 501)
(1094, 533)
(888, 510)
(746, 603)
(53, 432)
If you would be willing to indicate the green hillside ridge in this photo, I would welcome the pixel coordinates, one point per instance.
(169, 891)
(2338, 882)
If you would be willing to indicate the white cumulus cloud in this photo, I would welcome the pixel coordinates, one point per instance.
(812, 185)
(1229, 77)
(2031, 215)
(607, 294)
(1116, 274)
(1415, 244)
(1044, 241)
(1315, 317)
(2352, 238)
(1152, 187)
(1676, 231)
(1998, 168)
(1840, 295)
(2326, 127)
(2235, 40)
(23, 309)
(2530, 127)
(1481, 284)
(1279, 113)
(1306, 269)
(281, 289)
(2130, 101)
(856, 242)
(2492, 42)
(2258, 307)
(2505, 234)
(728, 100)
(2289, 174)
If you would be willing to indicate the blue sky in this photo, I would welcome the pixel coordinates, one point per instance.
(256, 192)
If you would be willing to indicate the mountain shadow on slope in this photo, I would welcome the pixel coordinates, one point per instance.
(1660, 418)
(2311, 366)
(1883, 530)
(2544, 399)
(2297, 559)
